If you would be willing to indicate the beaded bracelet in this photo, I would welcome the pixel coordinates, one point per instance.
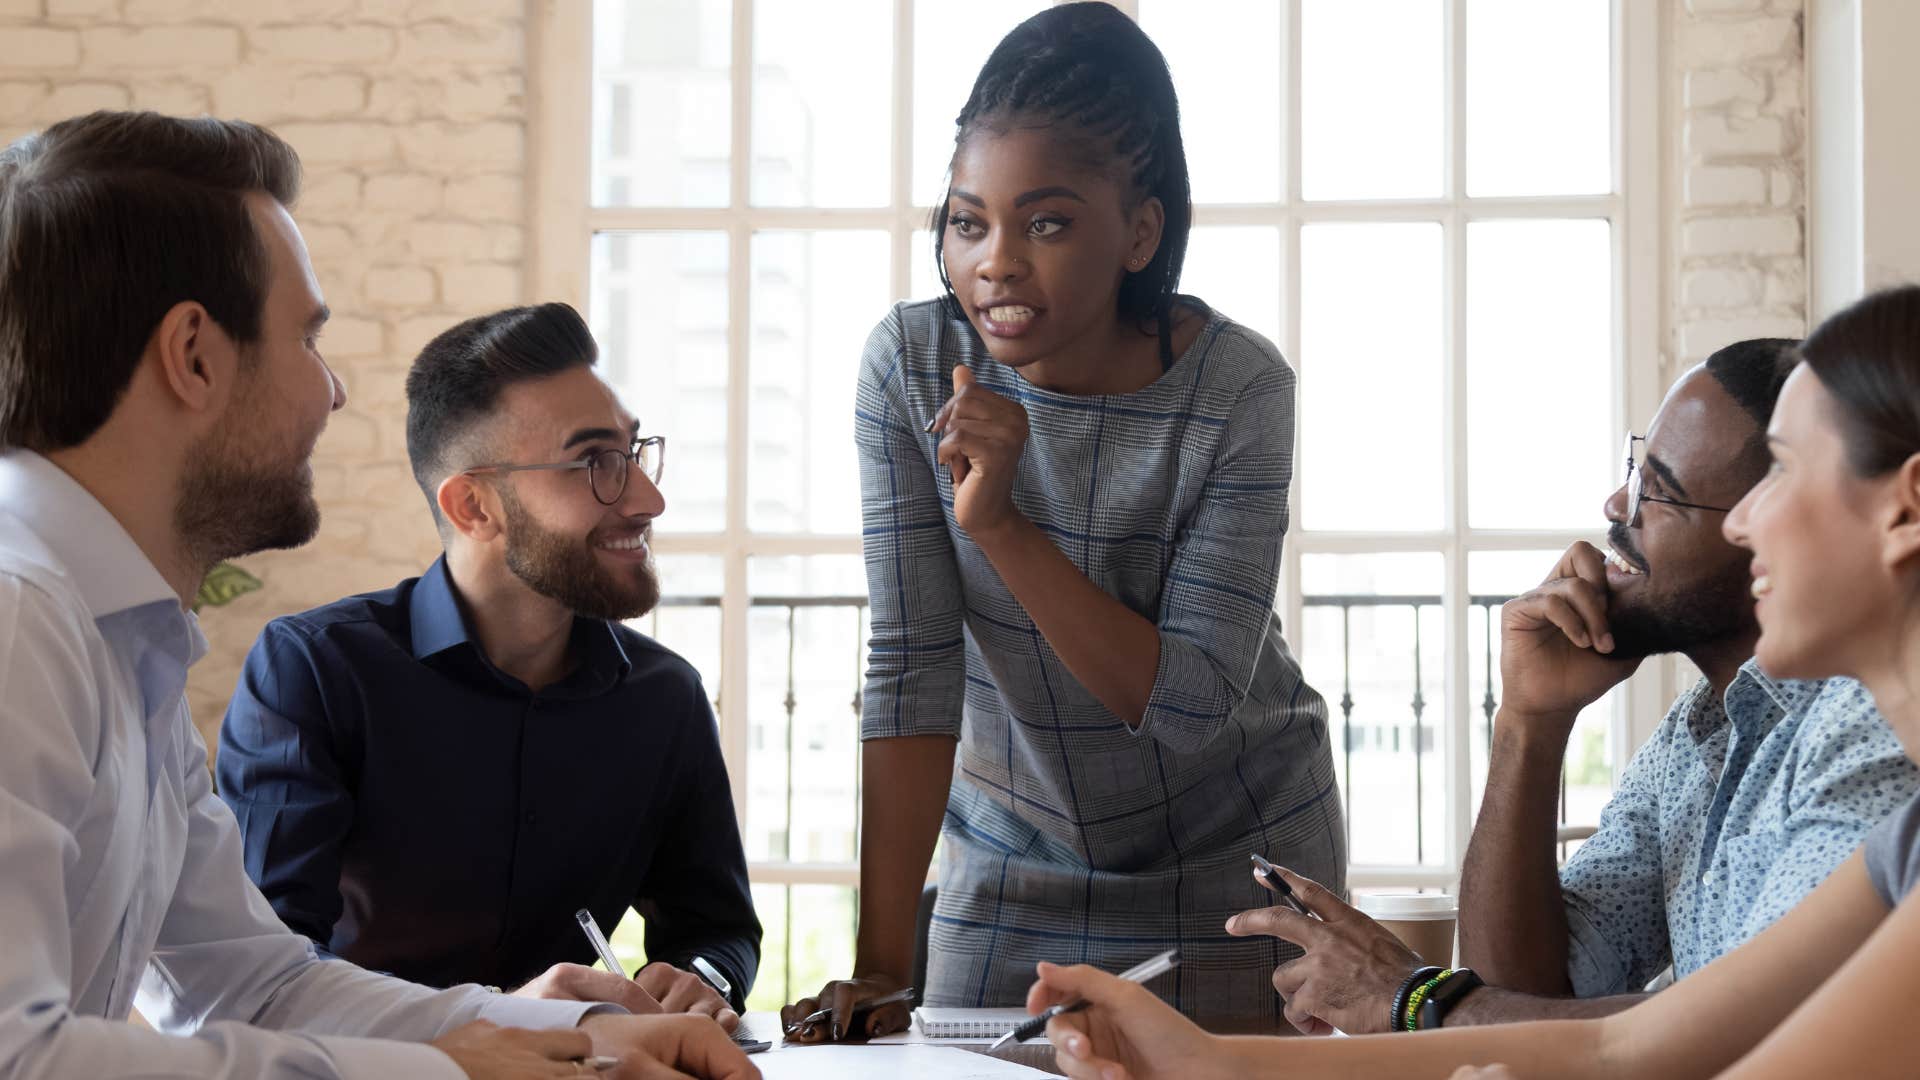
(1414, 999)
(1396, 1017)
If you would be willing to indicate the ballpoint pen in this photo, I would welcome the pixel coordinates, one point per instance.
(1269, 876)
(1139, 973)
(905, 993)
(599, 940)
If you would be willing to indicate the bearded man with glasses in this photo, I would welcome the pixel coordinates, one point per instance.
(1745, 797)
(432, 779)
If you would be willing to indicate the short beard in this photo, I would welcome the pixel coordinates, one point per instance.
(231, 505)
(1717, 609)
(564, 569)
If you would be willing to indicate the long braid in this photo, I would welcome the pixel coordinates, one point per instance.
(1086, 69)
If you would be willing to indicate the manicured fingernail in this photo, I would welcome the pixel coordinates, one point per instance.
(1233, 924)
(1076, 1046)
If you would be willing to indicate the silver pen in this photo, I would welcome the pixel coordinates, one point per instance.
(599, 940)
(1269, 876)
(1138, 973)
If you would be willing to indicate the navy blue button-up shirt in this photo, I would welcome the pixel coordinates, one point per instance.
(412, 808)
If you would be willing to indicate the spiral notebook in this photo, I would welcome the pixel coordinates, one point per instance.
(967, 1023)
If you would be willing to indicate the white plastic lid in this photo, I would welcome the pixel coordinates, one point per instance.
(1411, 907)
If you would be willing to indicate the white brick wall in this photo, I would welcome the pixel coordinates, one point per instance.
(1737, 234)
(410, 116)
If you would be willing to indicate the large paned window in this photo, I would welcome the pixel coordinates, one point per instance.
(1429, 205)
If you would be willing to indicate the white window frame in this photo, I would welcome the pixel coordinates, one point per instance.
(563, 222)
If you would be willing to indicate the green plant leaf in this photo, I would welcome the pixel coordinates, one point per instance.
(224, 584)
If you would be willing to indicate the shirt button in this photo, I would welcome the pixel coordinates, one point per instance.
(1705, 879)
(529, 818)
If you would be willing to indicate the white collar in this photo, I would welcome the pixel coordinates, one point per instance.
(111, 572)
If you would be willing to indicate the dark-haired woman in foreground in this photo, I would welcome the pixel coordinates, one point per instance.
(1075, 486)
(1829, 990)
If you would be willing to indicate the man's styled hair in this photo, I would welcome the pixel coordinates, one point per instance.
(107, 221)
(1752, 372)
(456, 382)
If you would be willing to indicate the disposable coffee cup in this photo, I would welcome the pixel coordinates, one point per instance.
(1423, 922)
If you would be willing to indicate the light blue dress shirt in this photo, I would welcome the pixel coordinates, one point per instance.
(1727, 816)
(120, 872)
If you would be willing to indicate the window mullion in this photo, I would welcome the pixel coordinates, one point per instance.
(1458, 756)
(1289, 52)
(901, 234)
(734, 623)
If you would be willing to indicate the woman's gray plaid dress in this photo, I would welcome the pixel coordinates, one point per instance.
(1067, 836)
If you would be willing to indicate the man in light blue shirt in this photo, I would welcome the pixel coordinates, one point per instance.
(1746, 797)
(160, 393)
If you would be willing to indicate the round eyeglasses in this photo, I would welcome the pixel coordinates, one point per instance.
(1636, 473)
(607, 470)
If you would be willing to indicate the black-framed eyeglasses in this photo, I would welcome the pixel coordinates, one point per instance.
(607, 470)
(1636, 471)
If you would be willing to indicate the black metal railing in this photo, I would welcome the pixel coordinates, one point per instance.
(790, 703)
(1346, 604)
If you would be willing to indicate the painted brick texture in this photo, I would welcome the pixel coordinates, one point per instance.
(1736, 231)
(411, 120)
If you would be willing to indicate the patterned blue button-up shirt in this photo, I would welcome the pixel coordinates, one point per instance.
(1728, 815)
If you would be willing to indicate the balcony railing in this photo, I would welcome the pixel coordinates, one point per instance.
(1346, 603)
(781, 870)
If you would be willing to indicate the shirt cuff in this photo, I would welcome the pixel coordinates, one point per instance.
(380, 1058)
(509, 1011)
(1594, 967)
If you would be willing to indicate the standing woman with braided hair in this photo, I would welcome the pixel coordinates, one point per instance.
(1075, 486)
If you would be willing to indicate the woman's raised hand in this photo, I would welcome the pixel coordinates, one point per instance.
(982, 435)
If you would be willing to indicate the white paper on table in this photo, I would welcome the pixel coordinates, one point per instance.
(841, 1062)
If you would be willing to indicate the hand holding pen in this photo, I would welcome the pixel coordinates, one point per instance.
(703, 991)
(1123, 1026)
(869, 1006)
(1151, 968)
(1270, 876)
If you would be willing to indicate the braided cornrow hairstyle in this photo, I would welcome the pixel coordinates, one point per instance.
(1089, 73)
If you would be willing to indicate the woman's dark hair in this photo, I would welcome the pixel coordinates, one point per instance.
(1090, 73)
(1868, 358)
(455, 382)
(106, 222)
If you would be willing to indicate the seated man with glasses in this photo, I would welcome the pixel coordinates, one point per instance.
(432, 779)
(1744, 798)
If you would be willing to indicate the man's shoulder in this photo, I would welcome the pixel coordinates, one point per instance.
(348, 623)
(1835, 727)
(1826, 703)
(656, 669)
(31, 564)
